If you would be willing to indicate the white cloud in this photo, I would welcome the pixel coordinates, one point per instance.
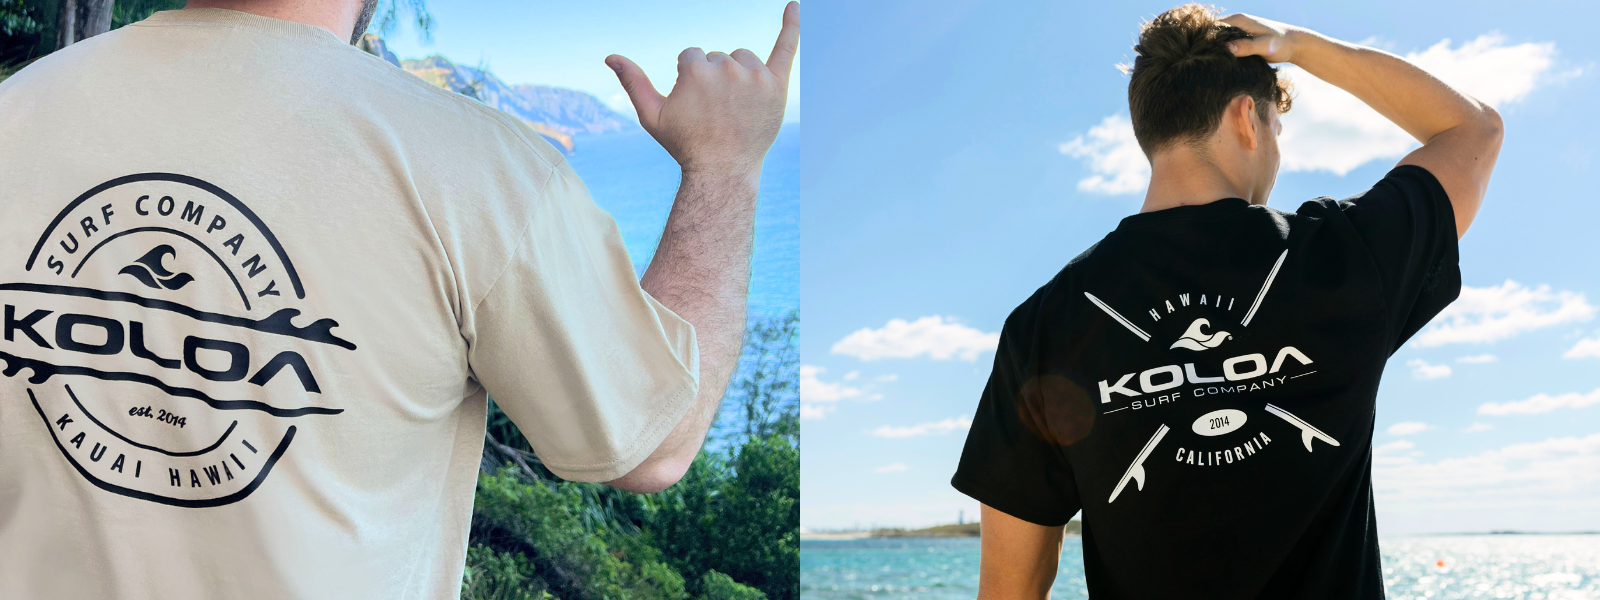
(817, 396)
(890, 378)
(1113, 154)
(809, 412)
(851, 376)
(1478, 427)
(933, 336)
(931, 428)
(898, 467)
(1407, 428)
(813, 389)
(1541, 403)
(1585, 348)
(1393, 447)
(619, 102)
(1329, 129)
(1421, 369)
(1477, 360)
(1493, 313)
(1557, 473)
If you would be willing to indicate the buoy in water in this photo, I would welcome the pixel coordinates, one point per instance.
(1439, 564)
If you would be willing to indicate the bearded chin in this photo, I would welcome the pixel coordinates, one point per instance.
(367, 8)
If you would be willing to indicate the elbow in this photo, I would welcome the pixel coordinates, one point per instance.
(1492, 124)
(653, 475)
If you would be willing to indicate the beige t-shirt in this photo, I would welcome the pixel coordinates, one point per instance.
(256, 286)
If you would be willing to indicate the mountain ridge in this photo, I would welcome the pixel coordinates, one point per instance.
(556, 113)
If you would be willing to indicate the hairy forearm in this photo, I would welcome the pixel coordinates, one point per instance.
(1416, 101)
(701, 270)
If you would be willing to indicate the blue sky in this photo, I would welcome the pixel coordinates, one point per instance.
(958, 154)
(564, 44)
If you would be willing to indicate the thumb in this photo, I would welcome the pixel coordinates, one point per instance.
(1262, 46)
(646, 100)
(1248, 47)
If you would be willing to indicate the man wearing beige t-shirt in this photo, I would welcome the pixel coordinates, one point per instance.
(257, 285)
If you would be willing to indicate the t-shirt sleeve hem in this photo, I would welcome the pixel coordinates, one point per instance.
(1441, 199)
(661, 423)
(987, 494)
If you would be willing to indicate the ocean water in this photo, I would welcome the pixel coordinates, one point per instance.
(1527, 567)
(633, 178)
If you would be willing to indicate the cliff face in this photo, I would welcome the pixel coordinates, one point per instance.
(555, 113)
(374, 45)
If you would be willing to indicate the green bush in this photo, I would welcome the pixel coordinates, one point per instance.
(729, 530)
(494, 575)
(722, 587)
(545, 524)
(745, 524)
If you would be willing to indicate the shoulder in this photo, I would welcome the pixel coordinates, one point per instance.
(447, 118)
(1053, 295)
(1405, 183)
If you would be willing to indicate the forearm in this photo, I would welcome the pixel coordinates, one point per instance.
(701, 270)
(1416, 101)
(1018, 559)
(721, 117)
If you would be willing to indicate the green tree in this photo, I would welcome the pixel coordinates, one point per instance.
(389, 15)
(742, 521)
(729, 530)
(718, 586)
(561, 552)
(764, 397)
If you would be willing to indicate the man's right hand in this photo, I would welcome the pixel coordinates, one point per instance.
(725, 109)
(1269, 39)
(1460, 136)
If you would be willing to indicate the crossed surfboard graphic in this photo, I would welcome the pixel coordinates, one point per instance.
(1135, 471)
(1196, 339)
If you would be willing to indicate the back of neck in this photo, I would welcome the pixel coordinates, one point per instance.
(337, 17)
(1184, 177)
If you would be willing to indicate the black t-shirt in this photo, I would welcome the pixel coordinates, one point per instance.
(1202, 384)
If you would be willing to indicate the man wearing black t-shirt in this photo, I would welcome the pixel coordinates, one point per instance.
(1201, 383)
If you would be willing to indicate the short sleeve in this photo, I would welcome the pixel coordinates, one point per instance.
(592, 369)
(1408, 225)
(1005, 463)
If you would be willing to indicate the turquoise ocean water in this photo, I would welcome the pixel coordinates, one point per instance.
(1529, 567)
(634, 179)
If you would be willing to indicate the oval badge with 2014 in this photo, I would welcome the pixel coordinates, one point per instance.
(161, 326)
(1218, 422)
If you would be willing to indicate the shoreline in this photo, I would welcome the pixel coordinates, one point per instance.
(834, 536)
(957, 530)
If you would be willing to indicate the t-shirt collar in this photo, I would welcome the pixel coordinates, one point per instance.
(241, 20)
(1204, 212)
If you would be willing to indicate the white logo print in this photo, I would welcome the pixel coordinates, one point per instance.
(1195, 338)
(1307, 432)
(1136, 470)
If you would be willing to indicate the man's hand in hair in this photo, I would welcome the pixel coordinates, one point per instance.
(1460, 136)
(1270, 39)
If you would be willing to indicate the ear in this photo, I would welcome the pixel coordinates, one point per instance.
(1243, 112)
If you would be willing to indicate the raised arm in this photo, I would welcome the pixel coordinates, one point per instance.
(1460, 136)
(1019, 559)
(718, 122)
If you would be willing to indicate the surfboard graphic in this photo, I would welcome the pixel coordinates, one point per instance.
(1136, 470)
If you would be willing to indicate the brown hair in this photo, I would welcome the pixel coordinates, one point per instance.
(1184, 76)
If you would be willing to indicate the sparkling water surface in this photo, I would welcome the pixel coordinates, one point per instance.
(1531, 567)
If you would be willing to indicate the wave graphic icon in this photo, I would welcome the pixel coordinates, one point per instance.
(152, 273)
(1195, 338)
